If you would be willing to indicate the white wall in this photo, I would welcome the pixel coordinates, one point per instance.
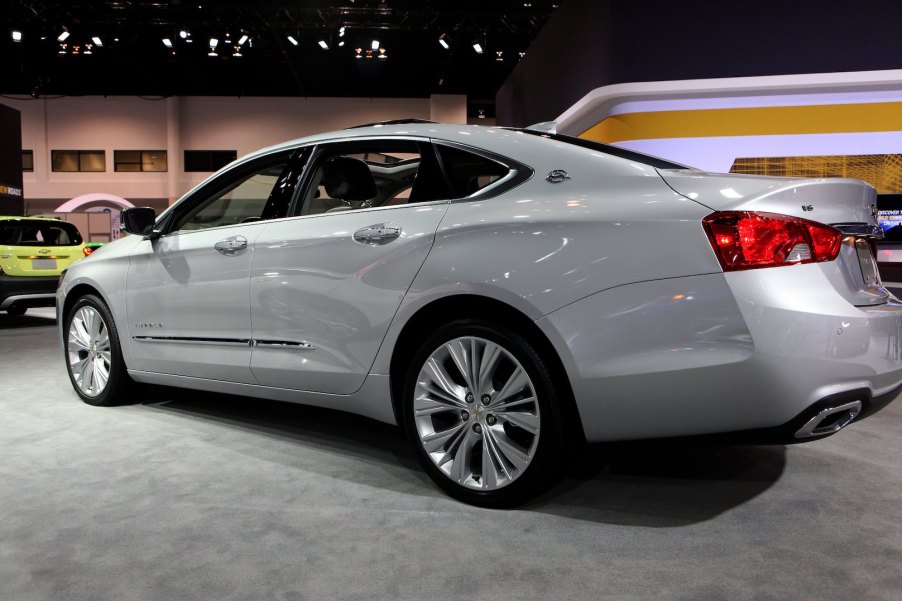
(196, 123)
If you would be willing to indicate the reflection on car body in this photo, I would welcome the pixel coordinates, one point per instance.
(498, 293)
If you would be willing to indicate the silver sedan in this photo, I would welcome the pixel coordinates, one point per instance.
(500, 294)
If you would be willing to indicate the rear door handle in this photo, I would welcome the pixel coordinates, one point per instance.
(378, 234)
(231, 246)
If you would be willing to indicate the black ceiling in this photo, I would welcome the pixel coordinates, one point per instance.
(134, 61)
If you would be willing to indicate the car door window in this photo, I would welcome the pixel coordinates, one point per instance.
(468, 172)
(351, 176)
(249, 197)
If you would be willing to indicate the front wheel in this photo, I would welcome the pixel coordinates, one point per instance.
(93, 355)
(482, 412)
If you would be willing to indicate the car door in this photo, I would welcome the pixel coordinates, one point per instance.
(187, 290)
(326, 284)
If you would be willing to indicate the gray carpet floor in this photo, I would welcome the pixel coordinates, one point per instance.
(199, 496)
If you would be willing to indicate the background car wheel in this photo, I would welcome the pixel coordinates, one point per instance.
(93, 355)
(482, 413)
(16, 311)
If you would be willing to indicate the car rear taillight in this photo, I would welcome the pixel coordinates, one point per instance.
(749, 240)
(87, 250)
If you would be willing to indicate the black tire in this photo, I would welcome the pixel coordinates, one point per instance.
(493, 445)
(16, 311)
(119, 387)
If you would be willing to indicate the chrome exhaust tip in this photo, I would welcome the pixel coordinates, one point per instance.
(830, 420)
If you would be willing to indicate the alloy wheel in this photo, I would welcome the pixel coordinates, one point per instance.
(88, 350)
(476, 413)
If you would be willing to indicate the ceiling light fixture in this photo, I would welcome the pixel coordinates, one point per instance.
(445, 41)
(341, 31)
(375, 45)
(17, 36)
(341, 43)
(62, 37)
(358, 53)
(293, 41)
(242, 40)
(477, 46)
(214, 42)
(323, 44)
(183, 34)
(382, 54)
(97, 41)
(167, 42)
(499, 55)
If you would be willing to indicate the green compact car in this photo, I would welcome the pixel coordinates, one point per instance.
(34, 251)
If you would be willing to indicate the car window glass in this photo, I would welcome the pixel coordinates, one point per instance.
(469, 173)
(371, 174)
(242, 202)
(37, 233)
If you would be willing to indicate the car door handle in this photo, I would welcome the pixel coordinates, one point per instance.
(231, 246)
(378, 234)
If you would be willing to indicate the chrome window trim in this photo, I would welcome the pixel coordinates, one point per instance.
(518, 173)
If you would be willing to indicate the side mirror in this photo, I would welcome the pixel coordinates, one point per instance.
(138, 220)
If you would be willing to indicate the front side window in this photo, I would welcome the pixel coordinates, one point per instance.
(239, 200)
(359, 175)
(27, 232)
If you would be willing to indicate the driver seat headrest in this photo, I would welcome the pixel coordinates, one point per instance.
(348, 178)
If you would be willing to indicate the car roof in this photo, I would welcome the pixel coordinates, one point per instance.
(489, 138)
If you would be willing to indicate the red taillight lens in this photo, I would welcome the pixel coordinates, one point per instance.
(87, 250)
(747, 240)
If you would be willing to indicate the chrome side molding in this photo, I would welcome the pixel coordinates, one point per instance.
(282, 344)
(189, 340)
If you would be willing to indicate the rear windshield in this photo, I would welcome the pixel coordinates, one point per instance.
(26, 232)
(611, 150)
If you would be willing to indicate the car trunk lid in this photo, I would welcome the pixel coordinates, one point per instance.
(847, 204)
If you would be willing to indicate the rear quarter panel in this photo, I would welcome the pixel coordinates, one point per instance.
(542, 246)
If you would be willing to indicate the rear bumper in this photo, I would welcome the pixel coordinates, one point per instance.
(27, 291)
(756, 351)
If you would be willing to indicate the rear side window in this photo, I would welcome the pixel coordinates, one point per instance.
(38, 233)
(469, 173)
(349, 176)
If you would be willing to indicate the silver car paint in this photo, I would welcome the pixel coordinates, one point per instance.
(833, 200)
(312, 283)
(656, 339)
(180, 286)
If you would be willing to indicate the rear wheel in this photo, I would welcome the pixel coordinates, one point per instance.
(482, 412)
(93, 355)
(16, 311)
